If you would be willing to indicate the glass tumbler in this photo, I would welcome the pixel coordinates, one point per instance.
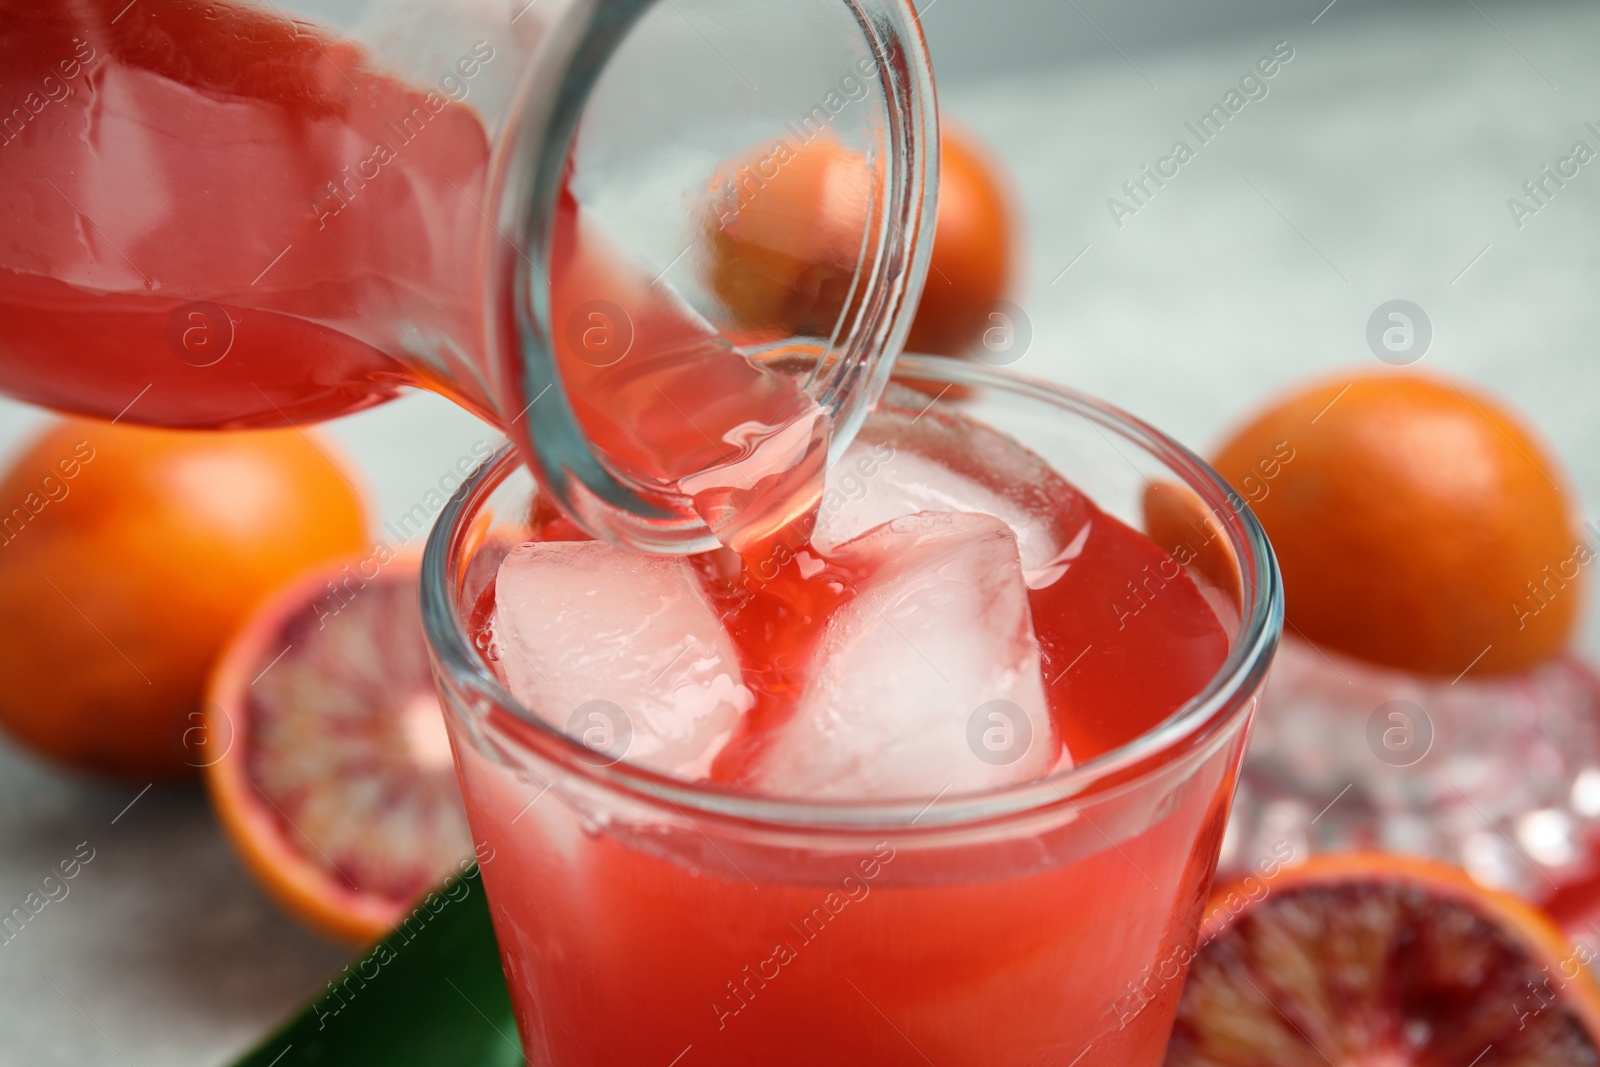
(648, 920)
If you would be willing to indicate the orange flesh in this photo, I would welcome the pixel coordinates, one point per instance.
(1373, 961)
(337, 786)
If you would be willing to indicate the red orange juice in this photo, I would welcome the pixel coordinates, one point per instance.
(644, 917)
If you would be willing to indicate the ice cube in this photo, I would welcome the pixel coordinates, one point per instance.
(928, 680)
(905, 461)
(620, 650)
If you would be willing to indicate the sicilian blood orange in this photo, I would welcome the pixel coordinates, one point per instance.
(1420, 524)
(783, 243)
(127, 556)
(974, 248)
(327, 756)
(1369, 960)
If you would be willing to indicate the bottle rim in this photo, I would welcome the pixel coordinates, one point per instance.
(526, 183)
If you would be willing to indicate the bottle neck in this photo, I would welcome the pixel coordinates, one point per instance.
(648, 401)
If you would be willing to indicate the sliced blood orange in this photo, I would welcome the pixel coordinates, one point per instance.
(1370, 960)
(327, 757)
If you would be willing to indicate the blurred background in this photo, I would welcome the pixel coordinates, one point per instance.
(1377, 167)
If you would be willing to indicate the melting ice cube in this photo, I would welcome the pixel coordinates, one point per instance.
(929, 679)
(620, 650)
(904, 463)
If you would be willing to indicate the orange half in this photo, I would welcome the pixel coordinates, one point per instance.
(1373, 960)
(327, 757)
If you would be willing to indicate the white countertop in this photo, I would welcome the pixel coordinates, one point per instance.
(1378, 167)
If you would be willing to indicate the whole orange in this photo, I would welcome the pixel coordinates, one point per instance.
(973, 247)
(783, 242)
(782, 246)
(1419, 524)
(127, 557)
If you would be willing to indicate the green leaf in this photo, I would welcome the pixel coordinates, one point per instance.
(431, 994)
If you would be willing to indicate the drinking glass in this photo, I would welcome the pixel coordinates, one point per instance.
(649, 920)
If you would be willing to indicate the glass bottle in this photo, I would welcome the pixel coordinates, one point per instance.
(219, 214)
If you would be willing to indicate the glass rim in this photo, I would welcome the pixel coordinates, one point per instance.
(1225, 697)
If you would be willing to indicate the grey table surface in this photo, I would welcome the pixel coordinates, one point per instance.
(1377, 167)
